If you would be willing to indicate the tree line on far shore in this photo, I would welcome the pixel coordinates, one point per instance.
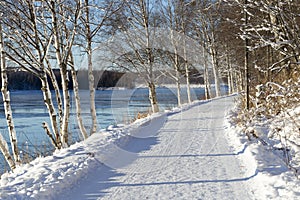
(23, 80)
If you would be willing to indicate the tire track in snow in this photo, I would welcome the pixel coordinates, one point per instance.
(190, 159)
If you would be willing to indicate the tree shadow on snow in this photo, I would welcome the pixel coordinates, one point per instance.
(197, 155)
(189, 182)
(117, 155)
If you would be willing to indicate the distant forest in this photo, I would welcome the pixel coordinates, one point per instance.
(22, 80)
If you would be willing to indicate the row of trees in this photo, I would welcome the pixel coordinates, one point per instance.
(39, 36)
(151, 38)
(173, 37)
(270, 32)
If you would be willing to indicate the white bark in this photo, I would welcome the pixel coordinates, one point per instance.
(174, 40)
(31, 54)
(5, 151)
(64, 131)
(152, 97)
(150, 56)
(62, 56)
(51, 109)
(9, 119)
(206, 75)
(231, 79)
(6, 103)
(44, 78)
(92, 92)
(240, 80)
(229, 74)
(48, 132)
(77, 103)
(57, 91)
(178, 87)
(136, 48)
(187, 74)
(177, 72)
(215, 70)
(91, 29)
(176, 65)
(207, 31)
(91, 78)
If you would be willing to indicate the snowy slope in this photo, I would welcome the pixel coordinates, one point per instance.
(183, 154)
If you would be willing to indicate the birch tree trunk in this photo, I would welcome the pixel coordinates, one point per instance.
(186, 66)
(69, 60)
(90, 68)
(176, 63)
(5, 151)
(63, 42)
(240, 80)
(231, 70)
(187, 74)
(174, 23)
(31, 51)
(176, 67)
(44, 78)
(152, 97)
(178, 83)
(151, 85)
(229, 80)
(207, 32)
(150, 57)
(77, 100)
(229, 75)
(206, 75)
(215, 70)
(51, 109)
(6, 103)
(57, 91)
(92, 90)
(64, 131)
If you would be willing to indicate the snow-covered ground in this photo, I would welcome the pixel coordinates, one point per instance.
(188, 153)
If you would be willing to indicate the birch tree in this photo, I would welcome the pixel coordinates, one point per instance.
(170, 17)
(184, 14)
(35, 29)
(8, 113)
(27, 48)
(69, 35)
(63, 36)
(136, 43)
(207, 87)
(93, 19)
(177, 16)
(206, 24)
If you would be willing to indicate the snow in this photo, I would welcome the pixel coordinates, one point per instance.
(273, 180)
(187, 153)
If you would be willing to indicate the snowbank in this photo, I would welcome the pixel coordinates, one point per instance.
(273, 179)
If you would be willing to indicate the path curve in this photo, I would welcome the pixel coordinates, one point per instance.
(177, 156)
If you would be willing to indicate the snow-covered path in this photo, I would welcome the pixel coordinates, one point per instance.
(176, 156)
(188, 153)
